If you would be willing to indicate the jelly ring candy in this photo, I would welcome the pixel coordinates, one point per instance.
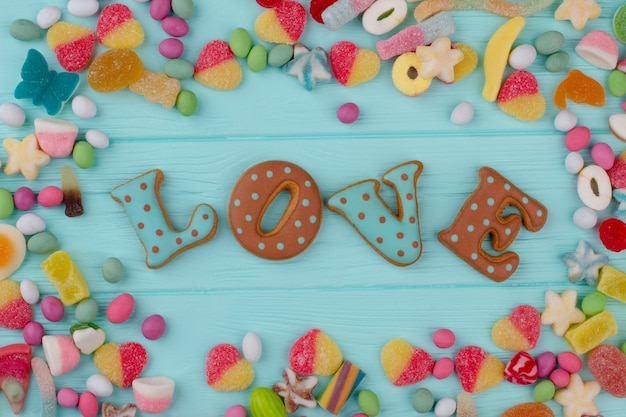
(406, 75)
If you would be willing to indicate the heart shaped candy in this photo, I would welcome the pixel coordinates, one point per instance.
(477, 370)
(216, 66)
(226, 370)
(405, 364)
(15, 313)
(72, 44)
(315, 353)
(121, 363)
(520, 97)
(352, 65)
(519, 331)
(117, 27)
(281, 24)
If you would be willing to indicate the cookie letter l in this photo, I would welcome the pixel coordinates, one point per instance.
(396, 237)
(482, 215)
(142, 201)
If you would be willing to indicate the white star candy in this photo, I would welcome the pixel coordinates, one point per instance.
(561, 311)
(438, 60)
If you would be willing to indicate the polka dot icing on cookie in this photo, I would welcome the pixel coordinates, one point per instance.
(252, 196)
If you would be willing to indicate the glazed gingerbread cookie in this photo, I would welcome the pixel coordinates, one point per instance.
(141, 199)
(395, 236)
(481, 215)
(253, 194)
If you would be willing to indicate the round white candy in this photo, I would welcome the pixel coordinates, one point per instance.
(585, 218)
(84, 107)
(574, 162)
(522, 56)
(29, 291)
(445, 407)
(99, 385)
(384, 15)
(565, 120)
(83, 8)
(462, 114)
(12, 115)
(97, 139)
(48, 16)
(252, 347)
(30, 224)
(594, 187)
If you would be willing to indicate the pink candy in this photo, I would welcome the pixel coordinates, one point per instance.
(602, 155)
(50, 196)
(443, 368)
(153, 327)
(175, 26)
(444, 338)
(545, 364)
(348, 113)
(521, 369)
(577, 138)
(67, 398)
(88, 404)
(171, 48)
(24, 198)
(570, 362)
(159, 9)
(560, 378)
(120, 308)
(33, 333)
(52, 308)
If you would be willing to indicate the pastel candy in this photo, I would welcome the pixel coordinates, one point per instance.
(87, 337)
(15, 374)
(519, 331)
(343, 11)
(55, 136)
(216, 66)
(281, 24)
(352, 65)
(405, 364)
(105, 75)
(12, 249)
(612, 282)
(469, 62)
(317, 7)
(153, 394)
(117, 27)
(72, 44)
(61, 353)
(592, 332)
(121, 363)
(66, 277)
(477, 370)
(342, 385)
(315, 353)
(226, 370)
(599, 48)
(15, 313)
(520, 97)
(607, 363)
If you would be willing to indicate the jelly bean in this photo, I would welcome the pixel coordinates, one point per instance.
(593, 303)
(112, 270)
(6, 203)
(24, 30)
(12, 114)
(560, 378)
(153, 327)
(183, 8)
(52, 308)
(602, 155)
(445, 407)
(444, 338)
(50, 196)
(557, 61)
(99, 385)
(423, 400)
(33, 332)
(41, 243)
(235, 411)
(280, 54)
(175, 26)
(83, 8)
(617, 83)
(585, 218)
(84, 107)
(565, 120)
(67, 398)
(65, 276)
(48, 16)
(120, 308)
(159, 9)
(462, 114)
(240, 42)
(88, 404)
(522, 56)
(383, 16)
(544, 391)
(252, 347)
(545, 364)
(443, 368)
(97, 139)
(619, 23)
(368, 402)
(153, 394)
(574, 162)
(104, 73)
(549, 42)
(178, 68)
(592, 332)
(594, 187)
(570, 362)
(86, 310)
(257, 58)
(29, 291)
(171, 48)
(24, 198)
(83, 155)
(30, 224)
(348, 113)
(186, 103)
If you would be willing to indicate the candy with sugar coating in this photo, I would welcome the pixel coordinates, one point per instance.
(15, 313)
(465, 405)
(72, 44)
(216, 66)
(606, 364)
(352, 65)
(477, 370)
(105, 75)
(66, 277)
(157, 87)
(61, 353)
(153, 394)
(15, 364)
(55, 136)
(342, 11)
(599, 48)
(520, 97)
(12, 249)
(469, 62)
(519, 331)
(282, 24)
(315, 353)
(578, 12)
(405, 364)
(226, 370)
(121, 363)
(612, 282)
(592, 332)
(531, 409)
(118, 28)
(24, 157)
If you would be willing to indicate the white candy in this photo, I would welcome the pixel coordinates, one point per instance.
(29, 291)
(83, 8)
(594, 187)
(574, 162)
(445, 407)
(585, 218)
(12, 115)
(84, 107)
(252, 347)
(87, 340)
(97, 139)
(30, 224)
(522, 56)
(565, 121)
(376, 20)
(99, 385)
(48, 16)
(463, 113)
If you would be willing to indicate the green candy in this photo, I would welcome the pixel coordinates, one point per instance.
(617, 83)
(240, 42)
(179, 68)
(623, 348)
(112, 270)
(86, 310)
(257, 58)
(619, 23)
(543, 391)
(423, 400)
(593, 303)
(186, 103)
(183, 8)
(24, 30)
(279, 55)
(6, 203)
(83, 155)
(266, 403)
(42, 242)
(557, 61)
(368, 402)
(549, 42)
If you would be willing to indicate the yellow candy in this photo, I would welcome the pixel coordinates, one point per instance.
(612, 282)
(65, 276)
(12, 250)
(497, 54)
(114, 69)
(469, 62)
(157, 87)
(406, 75)
(592, 332)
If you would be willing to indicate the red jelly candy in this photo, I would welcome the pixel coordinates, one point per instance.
(606, 364)
(521, 369)
(317, 7)
(613, 234)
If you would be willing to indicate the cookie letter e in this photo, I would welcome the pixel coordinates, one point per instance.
(142, 200)
(481, 215)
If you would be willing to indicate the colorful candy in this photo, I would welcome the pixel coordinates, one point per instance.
(612, 282)
(25, 157)
(406, 77)
(87, 337)
(12, 114)
(342, 11)
(46, 387)
(584, 263)
(266, 403)
(599, 48)
(592, 332)
(15, 313)
(477, 370)
(61, 354)
(342, 385)
(561, 311)
(309, 66)
(384, 15)
(252, 347)
(216, 67)
(528, 410)
(352, 65)
(52, 308)
(120, 308)
(612, 233)
(118, 28)
(153, 394)
(126, 410)
(282, 24)
(520, 97)
(121, 363)
(469, 62)
(521, 369)
(502, 8)
(519, 331)
(296, 390)
(580, 89)
(72, 196)
(153, 327)
(65, 276)
(114, 70)
(12, 249)
(72, 44)
(226, 370)
(405, 364)
(15, 374)
(606, 364)
(315, 353)
(55, 136)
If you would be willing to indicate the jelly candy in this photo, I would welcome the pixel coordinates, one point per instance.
(342, 385)
(309, 66)
(519, 331)
(528, 409)
(477, 370)
(612, 282)
(521, 369)
(24, 157)
(352, 65)
(592, 332)
(55, 136)
(12, 250)
(15, 374)
(121, 363)
(114, 70)
(216, 66)
(226, 370)
(578, 397)
(157, 87)
(405, 364)
(315, 353)
(117, 27)
(65, 276)
(520, 97)
(606, 364)
(439, 59)
(15, 313)
(561, 311)
(61, 354)
(72, 44)
(282, 24)
(580, 89)
(72, 196)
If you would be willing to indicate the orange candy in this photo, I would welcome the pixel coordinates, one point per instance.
(528, 410)
(157, 87)
(580, 89)
(12, 249)
(114, 70)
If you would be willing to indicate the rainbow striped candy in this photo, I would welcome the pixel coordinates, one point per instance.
(341, 386)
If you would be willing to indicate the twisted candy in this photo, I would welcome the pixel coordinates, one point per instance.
(500, 7)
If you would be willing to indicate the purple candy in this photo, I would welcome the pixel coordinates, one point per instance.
(153, 327)
(52, 308)
(175, 26)
(159, 9)
(171, 48)
(348, 113)
(24, 198)
(33, 333)
(545, 364)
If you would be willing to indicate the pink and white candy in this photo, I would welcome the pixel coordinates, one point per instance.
(521, 369)
(153, 394)
(61, 353)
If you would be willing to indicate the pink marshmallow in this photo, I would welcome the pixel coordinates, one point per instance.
(61, 353)
(599, 49)
(153, 394)
(55, 136)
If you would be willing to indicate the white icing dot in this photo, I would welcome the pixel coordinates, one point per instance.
(301, 240)
(525, 200)
(486, 222)
(470, 228)
(248, 218)
(509, 267)
(307, 183)
(297, 223)
(261, 246)
(474, 206)
(507, 231)
(474, 256)
(490, 180)
(255, 196)
(239, 231)
(490, 201)
(237, 203)
(454, 238)
(313, 219)
(280, 246)
(269, 174)
(539, 213)
(490, 269)
(287, 170)
(305, 202)
(507, 186)
(254, 177)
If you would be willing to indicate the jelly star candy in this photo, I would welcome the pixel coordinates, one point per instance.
(439, 59)
(309, 66)
(578, 397)
(584, 263)
(578, 12)
(25, 157)
(561, 311)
